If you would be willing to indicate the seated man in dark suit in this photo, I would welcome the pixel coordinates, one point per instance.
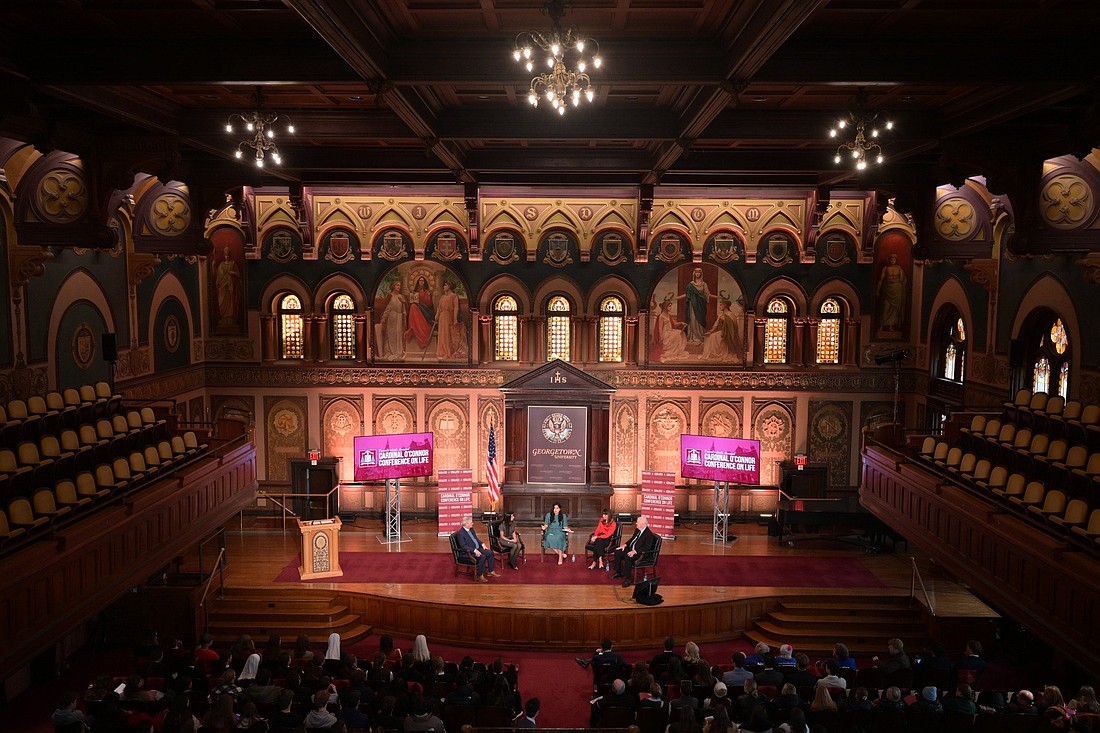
(606, 664)
(627, 553)
(468, 541)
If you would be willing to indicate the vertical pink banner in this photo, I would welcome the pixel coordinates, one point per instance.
(659, 500)
(455, 498)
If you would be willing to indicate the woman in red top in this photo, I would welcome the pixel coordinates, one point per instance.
(601, 538)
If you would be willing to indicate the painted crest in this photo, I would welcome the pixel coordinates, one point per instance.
(777, 249)
(393, 246)
(339, 246)
(171, 334)
(503, 248)
(446, 247)
(834, 249)
(557, 250)
(83, 347)
(724, 247)
(613, 250)
(669, 248)
(282, 246)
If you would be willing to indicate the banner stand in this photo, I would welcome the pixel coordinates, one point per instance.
(720, 534)
(392, 531)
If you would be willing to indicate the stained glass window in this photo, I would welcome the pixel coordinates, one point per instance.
(505, 329)
(343, 327)
(1063, 380)
(290, 327)
(775, 331)
(960, 330)
(949, 361)
(557, 328)
(828, 332)
(1040, 380)
(954, 349)
(1058, 337)
(611, 329)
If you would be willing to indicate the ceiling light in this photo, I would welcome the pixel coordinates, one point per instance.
(260, 131)
(561, 84)
(863, 146)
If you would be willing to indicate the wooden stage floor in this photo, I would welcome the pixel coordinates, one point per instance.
(259, 549)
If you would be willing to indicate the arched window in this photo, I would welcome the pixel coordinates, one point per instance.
(954, 352)
(558, 322)
(505, 329)
(1050, 370)
(342, 319)
(828, 331)
(610, 333)
(290, 327)
(775, 331)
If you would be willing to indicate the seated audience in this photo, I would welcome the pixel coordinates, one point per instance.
(832, 678)
(227, 686)
(262, 691)
(785, 657)
(757, 657)
(421, 719)
(737, 676)
(530, 712)
(750, 698)
(1023, 703)
(719, 722)
(221, 716)
(787, 699)
(758, 721)
(687, 723)
(662, 658)
(896, 657)
(971, 664)
(250, 718)
(802, 676)
(842, 658)
(1085, 702)
(891, 700)
(823, 700)
(719, 698)
(319, 716)
(769, 676)
(859, 700)
(962, 701)
(796, 724)
(927, 702)
(67, 714)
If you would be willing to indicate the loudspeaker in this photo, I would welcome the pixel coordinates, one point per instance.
(646, 594)
(110, 347)
(1016, 353)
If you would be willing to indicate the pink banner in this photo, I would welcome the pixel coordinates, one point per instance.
(405, 455)
(455, 498)
(659, 500)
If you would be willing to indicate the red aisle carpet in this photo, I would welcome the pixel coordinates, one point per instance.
(435, 567)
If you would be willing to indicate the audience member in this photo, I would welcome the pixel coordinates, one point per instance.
(991, 701)
(606, 663)
(823, 700)
(463, 693)
(249, 671)
(719, 698)
(896, 659)
(719, 722)
(962, 701)
(250, 718)
(333, 663)
(239, 653)
(653, 699)
(618, 698)
(786, 656)
(221, 716)
(692, 659)
(843, 659)
(686, 699)
(530, 712)
(971, 662)
(787, 699)
(420, 654)
(891, 700)
(269, 657)
(688, 722)
(262, 691)
(750, 698)
(227, 686)
(1052, 697)
(769, 676)
(302, 652)
(928, 701)
(758, 721)
(796, 724)
(1085, 702)
(284, 719)
(757, 657)
(640, 679)
(737, 676)
(422, 720)
(802, 676)
(832, 677)
(859, 700)
(319, 715)
(1023, 703)
(67, 713)
(385, 645)
(350, 713)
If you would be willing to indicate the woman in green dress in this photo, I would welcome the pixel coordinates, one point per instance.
(555, 528)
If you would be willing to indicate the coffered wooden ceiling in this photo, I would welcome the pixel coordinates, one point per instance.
(713, 92)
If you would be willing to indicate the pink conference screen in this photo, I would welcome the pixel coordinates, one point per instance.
(720, 459)
(379, 457)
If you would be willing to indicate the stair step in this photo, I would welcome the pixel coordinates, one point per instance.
(827, 608)
(818, 620)
(262, 612)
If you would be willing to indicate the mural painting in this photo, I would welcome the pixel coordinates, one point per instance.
(424, 308)
(830, 438)
(697, 316)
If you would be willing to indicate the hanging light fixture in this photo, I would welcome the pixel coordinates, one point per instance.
(863, 148)
(560, 85)
(259, 130)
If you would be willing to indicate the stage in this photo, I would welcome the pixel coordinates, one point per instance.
(569, 606)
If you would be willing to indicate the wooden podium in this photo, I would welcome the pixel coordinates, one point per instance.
(320, 548)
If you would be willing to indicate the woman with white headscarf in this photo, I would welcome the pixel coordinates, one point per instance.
(334, 662)
(251, 668)
(422, 658)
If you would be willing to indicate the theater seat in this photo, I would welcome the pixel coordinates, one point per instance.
(45, 504)
(65, 494)
(8, 532)
(21, 514)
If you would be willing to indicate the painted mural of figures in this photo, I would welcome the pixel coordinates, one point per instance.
(723, 341)
(421, 313)
(697, 295)
(391, 327)
(226, 281)
(669, 338)
(447, 319)
(891, 291)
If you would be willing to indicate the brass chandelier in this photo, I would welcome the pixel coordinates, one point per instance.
(561, 85)
(259, 130)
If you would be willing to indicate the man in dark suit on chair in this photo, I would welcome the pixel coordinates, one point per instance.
(468, 541)
(627, 553)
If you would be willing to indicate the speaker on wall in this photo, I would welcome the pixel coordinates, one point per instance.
(110, 347)
(1016, 353)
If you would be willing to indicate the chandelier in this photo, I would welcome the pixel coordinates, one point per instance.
(259, 131)
(863, 147)
(560, 85)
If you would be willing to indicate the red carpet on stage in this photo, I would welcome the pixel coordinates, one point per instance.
(434, 567)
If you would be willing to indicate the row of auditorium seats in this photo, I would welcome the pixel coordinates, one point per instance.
(1052, 414)
(71, 493)
(1074, 514)
(29, 419)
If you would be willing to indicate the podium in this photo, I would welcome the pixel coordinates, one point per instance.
(320, 548)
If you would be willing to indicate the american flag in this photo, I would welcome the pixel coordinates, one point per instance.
(491, 467)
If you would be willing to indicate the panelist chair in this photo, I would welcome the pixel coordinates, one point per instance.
(464, 561)
(647, 561)
(542, 545)
(500, 550)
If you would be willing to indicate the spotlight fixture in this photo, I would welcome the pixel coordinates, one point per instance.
(560, 85)
(259, 130)
(863, 148)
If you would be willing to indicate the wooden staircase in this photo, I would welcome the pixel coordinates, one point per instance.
(813, 624)
(287, 612)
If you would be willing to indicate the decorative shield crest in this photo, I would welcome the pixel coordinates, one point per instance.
(83, 347)
(669, 248)
(612, 249)
(777, 249)
(557, 250)
(393, 246)
(282, 246)
(503, 248)
(446, 247)
(724, 247)
(834, 249)
(339, 246)
(171, 334)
